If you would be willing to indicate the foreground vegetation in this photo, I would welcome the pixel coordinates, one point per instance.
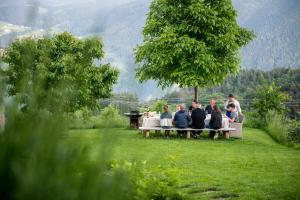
(253, 168)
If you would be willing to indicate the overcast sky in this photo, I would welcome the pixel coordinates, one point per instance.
(107, 3)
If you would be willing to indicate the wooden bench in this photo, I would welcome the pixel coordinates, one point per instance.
(146, 130)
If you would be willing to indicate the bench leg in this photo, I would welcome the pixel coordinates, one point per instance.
(188, 134)
(146, 133)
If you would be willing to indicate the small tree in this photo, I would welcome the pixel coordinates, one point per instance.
(62, 68)
(269, 98)
(190, 43)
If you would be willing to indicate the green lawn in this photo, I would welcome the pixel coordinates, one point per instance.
(253, 168)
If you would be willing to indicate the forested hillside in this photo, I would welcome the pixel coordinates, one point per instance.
(247, 81)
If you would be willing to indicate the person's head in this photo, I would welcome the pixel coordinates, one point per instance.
(231, 107)
(166, 108)
(212, 103)
(177, 107)
(182, 107)
(230, 97)
(215, 108)
(194, 104)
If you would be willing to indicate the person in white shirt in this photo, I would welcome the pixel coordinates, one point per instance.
(232, 100)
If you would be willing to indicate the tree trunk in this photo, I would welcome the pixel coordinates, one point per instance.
(196, 93)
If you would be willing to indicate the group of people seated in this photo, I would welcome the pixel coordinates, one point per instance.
(195, 117)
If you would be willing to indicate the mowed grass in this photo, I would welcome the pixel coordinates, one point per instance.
(252, 168)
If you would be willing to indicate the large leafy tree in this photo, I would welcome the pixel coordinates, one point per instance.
(62, 68)
(190, 43)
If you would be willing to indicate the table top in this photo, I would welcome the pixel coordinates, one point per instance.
(132, 114)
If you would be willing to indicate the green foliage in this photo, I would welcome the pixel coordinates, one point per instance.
(61, 67)
(109, 117)
(246, 82)
(294, 132)
(252, 120)
(159, 104)
(269, 98)
(81, 119)
(190, 43)
(35, 164)
(157, 186)
(277, 127)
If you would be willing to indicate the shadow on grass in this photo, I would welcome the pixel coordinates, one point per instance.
(173, 136)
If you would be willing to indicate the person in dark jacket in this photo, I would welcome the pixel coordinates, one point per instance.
(181, 120)
(215, 122)
(198, 116)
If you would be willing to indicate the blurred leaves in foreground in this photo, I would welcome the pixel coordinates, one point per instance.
(35, 162)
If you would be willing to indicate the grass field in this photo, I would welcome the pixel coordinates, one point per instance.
(253, 168)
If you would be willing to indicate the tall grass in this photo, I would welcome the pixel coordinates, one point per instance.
(277, 127)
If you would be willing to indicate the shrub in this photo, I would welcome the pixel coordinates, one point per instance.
(110, 118)
(159, 104)
(281, 129)
(36, 164)
(294, 132)
(277, 127)
(161, 185)
(252, 120)
(269, 98)
(81, 119)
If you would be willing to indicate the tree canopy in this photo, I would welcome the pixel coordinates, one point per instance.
(61, 67)
(190, 43)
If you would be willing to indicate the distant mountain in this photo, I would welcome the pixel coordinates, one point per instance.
(277, 27)
(276, 24)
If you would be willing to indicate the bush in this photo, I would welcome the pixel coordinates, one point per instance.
(281, 129)
(269, 98)
(277, 127)
(158, 106)
(35, 163)
(161, 185)
(81, 119)
(294, 131)
(252, 120)
(109, 117)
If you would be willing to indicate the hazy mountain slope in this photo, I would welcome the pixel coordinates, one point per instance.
(277, 26)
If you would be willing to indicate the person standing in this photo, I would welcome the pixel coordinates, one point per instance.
(209, 108)
(198, 118)
(231, 100)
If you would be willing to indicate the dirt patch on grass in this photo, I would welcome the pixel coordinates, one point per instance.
(226, 196)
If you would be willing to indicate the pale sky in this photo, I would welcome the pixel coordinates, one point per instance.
(108, 3)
